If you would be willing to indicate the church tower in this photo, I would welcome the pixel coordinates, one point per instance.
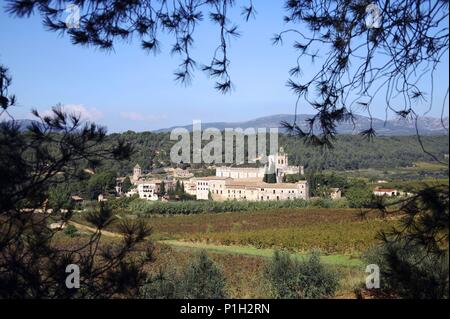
(282, 159)
(137, 172)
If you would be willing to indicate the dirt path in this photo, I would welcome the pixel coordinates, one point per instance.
(93, 230)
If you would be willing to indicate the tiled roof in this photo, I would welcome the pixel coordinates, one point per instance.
(212, 178)
(241, 184)
(153, 181)
(385, 190)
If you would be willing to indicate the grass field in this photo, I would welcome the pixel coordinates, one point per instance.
(337, 260)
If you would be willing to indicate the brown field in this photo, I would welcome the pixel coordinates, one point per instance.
(332, 231)
(243, 273)
(339, 233)
(173, 225)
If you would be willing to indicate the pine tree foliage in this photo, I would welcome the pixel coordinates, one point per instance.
(366, 49)
(55, 149)
(102, 23)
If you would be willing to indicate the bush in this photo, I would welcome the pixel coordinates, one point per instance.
(203, 279)
(71, 230)
(307, 279)
(411, 272)
(198, 207)
(165, 285)
(359, 196)
(121, 203)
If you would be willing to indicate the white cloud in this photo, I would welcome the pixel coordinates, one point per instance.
(138, 117)
(86, 114)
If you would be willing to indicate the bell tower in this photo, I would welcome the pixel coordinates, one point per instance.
(137, 172)
(282, 159)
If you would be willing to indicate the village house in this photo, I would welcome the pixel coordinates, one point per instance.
(148, 190)
(119, 185)
(190, 186)
(182, 173)
(213, 184)
(389, 192)
(335, 193)
(225, 188)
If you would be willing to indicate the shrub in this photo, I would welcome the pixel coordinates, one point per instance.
(203, 279)
(165, 285)
(306, 279)
(410, 271)
(121, 203)
(359, 196)
(71, 230)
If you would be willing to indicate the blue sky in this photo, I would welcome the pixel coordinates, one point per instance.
(129, 89)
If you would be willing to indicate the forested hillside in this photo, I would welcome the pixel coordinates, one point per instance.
(350, 151)
(354, 152)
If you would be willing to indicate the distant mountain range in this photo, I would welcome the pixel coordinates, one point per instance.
(24, 124)
(392, 127)
(427, 125)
